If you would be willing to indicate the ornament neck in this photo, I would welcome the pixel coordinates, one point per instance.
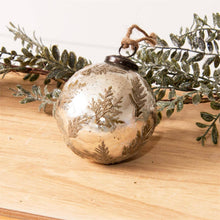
(121, 62)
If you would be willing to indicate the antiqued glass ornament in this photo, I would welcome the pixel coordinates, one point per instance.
(106, 111)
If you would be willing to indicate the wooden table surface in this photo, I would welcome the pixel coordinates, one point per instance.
(41, 178)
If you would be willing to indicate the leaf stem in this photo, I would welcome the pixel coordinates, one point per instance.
(180, 48)
(199, 29)
(171, 73)
(211, 125)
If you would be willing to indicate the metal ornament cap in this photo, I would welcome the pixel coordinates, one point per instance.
(106, 112)
(122, 62)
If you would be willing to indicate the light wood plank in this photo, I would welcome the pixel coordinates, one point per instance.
(176, 179)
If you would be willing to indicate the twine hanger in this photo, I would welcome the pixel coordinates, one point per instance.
(127, 41)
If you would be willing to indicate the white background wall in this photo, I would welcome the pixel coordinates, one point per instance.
(95, 28)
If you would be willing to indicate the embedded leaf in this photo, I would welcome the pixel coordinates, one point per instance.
(198, 138)
(162, 105)
(185, 86)
(149, 74)
(80, 63)
(27, 100)
(33, 61)
(56, 53)
(34, 77)
(159, 53)
(218, 19)
(201, 125)
(181, 30)
(216, 46)
(214, 19)
(14, 53)
(171, 105)
(161, 94)
(36, 90)
(46, 52)
(216, 61)
(172, 94)
(215, 105)
(159, 117)
(53, 73)
(207, 116)
(12, 24)
(7, 61)
(161, 42)
(169, 112)
(56, 93)
(26, 52)
(196, 70)
(211, 36)
(201, 44)
(21, 89)
(27, 76)
(177, 56)
(202, 34)
(214, 134)
(176, 64)
(190, 40)
(165, 55)
(206, 71)
(185, 67)
(175, 40)
(208, 61)
(64, 57)
(173, 54)
(195, 42)
(210, 46)
(185, 56)
(196, 58)
(72, 59)
(179, 105)
(196, 99)
(3, 50)
(46, 81)
(182, 40)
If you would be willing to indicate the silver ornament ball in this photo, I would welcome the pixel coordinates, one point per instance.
(106, 113)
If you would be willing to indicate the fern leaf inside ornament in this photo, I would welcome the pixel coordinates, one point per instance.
(106, 111)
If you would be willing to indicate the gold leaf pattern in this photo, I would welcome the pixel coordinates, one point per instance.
(96, 69)
(138, 96)
(76, 124)
(101, 154)
(141, 137)
(70, 93)
(106, 109)
(76, 85)
(103, 68)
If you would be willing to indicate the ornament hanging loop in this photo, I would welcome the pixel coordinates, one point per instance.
(130, 55)
(127, 41)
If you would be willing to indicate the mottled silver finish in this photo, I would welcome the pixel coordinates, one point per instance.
(106, 113)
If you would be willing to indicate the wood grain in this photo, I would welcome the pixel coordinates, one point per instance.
(176, 179)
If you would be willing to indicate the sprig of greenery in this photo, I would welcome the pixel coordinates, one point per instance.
(191, 66)
(46, 98)
(209, 118)
(37, 59)
(47, 61)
